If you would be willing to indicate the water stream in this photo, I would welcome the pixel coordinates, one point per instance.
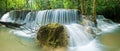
(79, 38)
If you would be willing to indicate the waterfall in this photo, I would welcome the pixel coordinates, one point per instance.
(70, 19)
(53, 16)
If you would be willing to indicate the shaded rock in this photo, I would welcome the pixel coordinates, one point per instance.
(10, 24)
(90, 30)
(18, 14)
(52, 35)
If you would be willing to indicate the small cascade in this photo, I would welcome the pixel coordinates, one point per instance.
(105, 24)
(6, 18)
(78, 34)
(15, 16)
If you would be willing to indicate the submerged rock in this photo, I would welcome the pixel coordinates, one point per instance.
(52, 35)
(88, 22)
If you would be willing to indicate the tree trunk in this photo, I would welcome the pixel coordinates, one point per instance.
(82, 7)
(94, 12)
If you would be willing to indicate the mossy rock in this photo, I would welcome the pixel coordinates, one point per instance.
(52, 35)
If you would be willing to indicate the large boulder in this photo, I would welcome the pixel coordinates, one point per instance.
(52, 35)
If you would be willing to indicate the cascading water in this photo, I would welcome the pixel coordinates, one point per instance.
(105, 24)
(70, 19)
(77, 35)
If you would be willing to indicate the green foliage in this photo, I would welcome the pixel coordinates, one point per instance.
(68, 4)
(54, 4)
(102, 5)
(42, 4)
(7, 5)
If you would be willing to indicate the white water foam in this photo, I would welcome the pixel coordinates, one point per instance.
(92, 46)
(6, 18)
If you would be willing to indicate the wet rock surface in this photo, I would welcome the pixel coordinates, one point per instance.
(52, 35)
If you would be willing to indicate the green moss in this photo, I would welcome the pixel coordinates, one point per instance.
(52, 35)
